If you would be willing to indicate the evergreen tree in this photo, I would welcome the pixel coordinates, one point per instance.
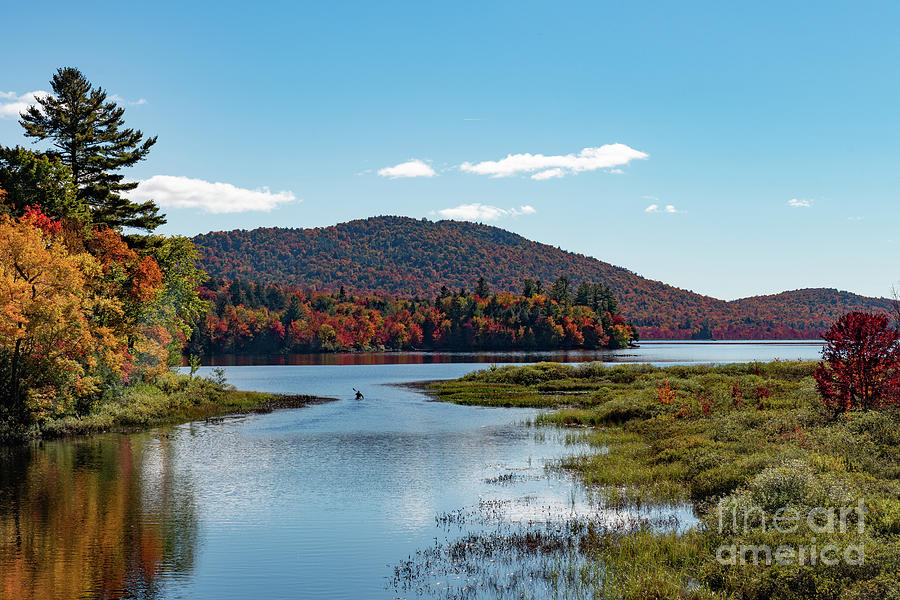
(236, 292)
(559, 291)
(610, 304)
(32, 179)
(586, 294)
(481, 289)
(275, 298)
(295, 312)
(528, 289)
(89, 136)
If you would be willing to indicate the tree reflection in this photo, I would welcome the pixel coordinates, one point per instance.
(104, 517)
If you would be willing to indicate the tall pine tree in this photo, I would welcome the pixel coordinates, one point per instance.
(89, 135)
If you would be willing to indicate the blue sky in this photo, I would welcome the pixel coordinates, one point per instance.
(724, 113)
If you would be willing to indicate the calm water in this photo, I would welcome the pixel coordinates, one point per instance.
(319, 502)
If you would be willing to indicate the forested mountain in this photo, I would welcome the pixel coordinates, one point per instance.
(406, 257)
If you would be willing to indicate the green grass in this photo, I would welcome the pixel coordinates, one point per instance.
(501, 394)
(172, 399)
(772, 446)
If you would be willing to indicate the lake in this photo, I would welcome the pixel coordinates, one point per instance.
(319, 502)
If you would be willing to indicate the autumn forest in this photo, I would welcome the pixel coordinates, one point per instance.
(263, 319)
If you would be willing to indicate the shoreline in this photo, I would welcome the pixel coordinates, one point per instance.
(232, 403)
(457, 351)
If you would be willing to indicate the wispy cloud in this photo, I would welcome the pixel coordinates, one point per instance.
(12, 104)
(656, 208)
(798, 203)
(212, 197)
(483, 212)
(121, 100)
(546, 167)
(410, 168)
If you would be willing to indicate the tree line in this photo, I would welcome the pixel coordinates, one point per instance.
(255, 318)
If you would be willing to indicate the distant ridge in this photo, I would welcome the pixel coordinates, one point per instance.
(405, 256)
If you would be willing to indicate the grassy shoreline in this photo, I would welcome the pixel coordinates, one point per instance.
(172, 400)
(750, 439)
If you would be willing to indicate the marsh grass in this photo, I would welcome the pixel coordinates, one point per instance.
(172, 399)
(754, 436)
(480, 394)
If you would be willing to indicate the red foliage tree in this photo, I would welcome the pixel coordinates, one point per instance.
(862, 363)
(36, 217)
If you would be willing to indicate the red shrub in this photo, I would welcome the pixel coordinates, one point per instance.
(862, 363)
(665, 392)
(737, 394)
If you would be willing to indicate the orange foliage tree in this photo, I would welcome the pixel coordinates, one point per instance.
(53, 348)
(77, 312)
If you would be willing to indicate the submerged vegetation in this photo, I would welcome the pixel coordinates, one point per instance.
(769, 468)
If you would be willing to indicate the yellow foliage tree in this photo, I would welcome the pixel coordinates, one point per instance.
(54, 349)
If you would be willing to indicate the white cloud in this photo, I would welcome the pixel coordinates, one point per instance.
(13, 105)
(184, 192)
(483, 212)
(548, 174)
(411, 168)
(797, 203)
(589, 159)
(121, 100)
(656, 208)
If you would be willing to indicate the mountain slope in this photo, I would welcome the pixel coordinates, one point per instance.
(400, 255)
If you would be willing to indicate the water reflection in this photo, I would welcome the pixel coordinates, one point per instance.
(400, 358)
(97, 518)
(313, 503)
(706, 351)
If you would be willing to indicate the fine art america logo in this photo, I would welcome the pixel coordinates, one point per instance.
(828, 522)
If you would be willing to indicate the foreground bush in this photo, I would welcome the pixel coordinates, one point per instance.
(862, 363)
